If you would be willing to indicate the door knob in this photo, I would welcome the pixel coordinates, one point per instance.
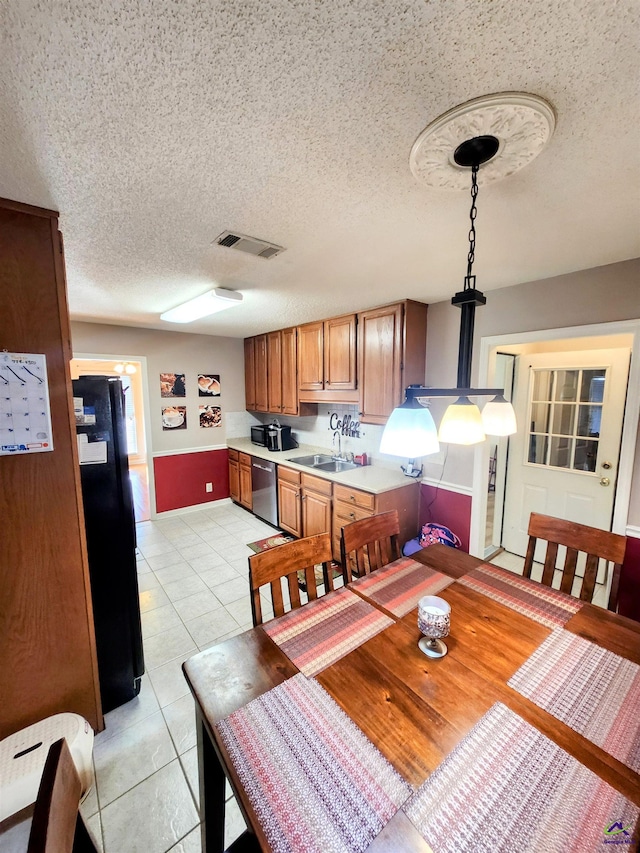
(606, 465)
(605, 481)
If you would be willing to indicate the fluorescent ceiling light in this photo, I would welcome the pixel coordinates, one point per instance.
(209, 303)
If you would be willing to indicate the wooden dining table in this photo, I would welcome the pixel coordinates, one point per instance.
(413, 709)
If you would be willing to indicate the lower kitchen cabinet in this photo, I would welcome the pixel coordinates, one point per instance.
(304, 503)
(289, 503)
(353, 504)
(240, 478)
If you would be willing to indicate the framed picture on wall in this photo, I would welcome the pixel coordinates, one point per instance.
(208, 385)
(174, 417)
(210, 416)
(172, 385)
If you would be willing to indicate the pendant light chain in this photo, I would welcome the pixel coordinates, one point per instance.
(470, 279)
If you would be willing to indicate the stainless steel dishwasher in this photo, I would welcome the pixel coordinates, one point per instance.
(264, 489)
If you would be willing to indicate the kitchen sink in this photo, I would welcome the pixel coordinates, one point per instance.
(335, 466)
(312, 461)
(324, 462)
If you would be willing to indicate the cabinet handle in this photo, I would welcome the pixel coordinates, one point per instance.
(352, 515)
(352, 497)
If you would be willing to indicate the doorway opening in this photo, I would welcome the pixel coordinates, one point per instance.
(132, 385)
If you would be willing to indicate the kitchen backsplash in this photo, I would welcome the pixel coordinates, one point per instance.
(317, 430)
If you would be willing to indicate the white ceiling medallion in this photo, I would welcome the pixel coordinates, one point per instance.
(522, 124)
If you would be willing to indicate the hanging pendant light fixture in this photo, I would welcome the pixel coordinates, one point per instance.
(505, 146)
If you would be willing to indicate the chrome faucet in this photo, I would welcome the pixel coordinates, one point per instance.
(336, 433)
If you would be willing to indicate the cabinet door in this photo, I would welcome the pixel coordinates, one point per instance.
(310, 357)
(340, 353)
(316, 513)
(380, 362)
(234, 481)
(245, 486)
(261, 373)
(289, 372)
(249, 374)
(274, 372)
(289, 516)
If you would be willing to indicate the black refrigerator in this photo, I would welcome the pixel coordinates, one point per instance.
(111, 535)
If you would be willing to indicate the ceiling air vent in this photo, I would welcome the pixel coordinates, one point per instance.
(250, 245)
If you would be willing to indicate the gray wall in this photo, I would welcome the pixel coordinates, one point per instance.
(176, 352)
(599, 295)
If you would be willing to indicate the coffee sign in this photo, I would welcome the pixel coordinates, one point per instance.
(346, 425)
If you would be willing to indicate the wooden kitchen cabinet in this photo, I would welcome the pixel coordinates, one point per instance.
(274, 372)
(234, 476)
(261, 374)
(304, 502)
(250, 374)
(290, 371)
(327, 361)
(353, 504)
(245, 480)
(289, 501)
(311, 357)
(316, 505)
(391, 355)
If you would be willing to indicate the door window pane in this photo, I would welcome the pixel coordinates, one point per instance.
(592, 388)
(542, 385)
(563, 419)
(586, 455)
(589, 418)
(560, 452)
(538, 449)
(566, 385)
(540, 417)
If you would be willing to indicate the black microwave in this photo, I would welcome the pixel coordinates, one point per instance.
(259, 435)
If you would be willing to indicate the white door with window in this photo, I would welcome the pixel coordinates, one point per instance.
(563, 461)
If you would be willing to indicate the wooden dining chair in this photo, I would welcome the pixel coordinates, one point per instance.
(57, 826)
(370, 543)
(577, 538)
(285, 561)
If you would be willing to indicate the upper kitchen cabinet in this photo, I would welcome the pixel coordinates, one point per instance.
(327, 361)
(270, 367)
(261, 374)
(250, 373)
(290, 372)
(391, 355)
(274, 372)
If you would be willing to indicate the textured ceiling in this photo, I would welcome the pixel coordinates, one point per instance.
(154, 126)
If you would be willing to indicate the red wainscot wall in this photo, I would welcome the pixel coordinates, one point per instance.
(629, 594)
(441, 506)
(180, 478)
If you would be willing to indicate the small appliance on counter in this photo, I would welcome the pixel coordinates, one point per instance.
(280, 438)
(259, 435)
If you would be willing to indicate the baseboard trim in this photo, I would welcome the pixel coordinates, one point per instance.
(185, 510)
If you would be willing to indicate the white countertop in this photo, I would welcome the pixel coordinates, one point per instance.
(370, 478)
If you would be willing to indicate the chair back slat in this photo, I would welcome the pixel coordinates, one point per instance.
(577, 538)
(569, 571)
(56, 826)
(285, 561)
(371, 543)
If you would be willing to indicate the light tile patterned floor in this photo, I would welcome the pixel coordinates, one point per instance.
(194, 591)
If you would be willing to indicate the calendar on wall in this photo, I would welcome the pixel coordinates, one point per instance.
(25, 413)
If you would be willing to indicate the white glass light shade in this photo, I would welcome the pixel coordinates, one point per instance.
(462, 423)
(410, 432)
(119, 368)
(209, 303)
(130, 369)
(498, 417)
